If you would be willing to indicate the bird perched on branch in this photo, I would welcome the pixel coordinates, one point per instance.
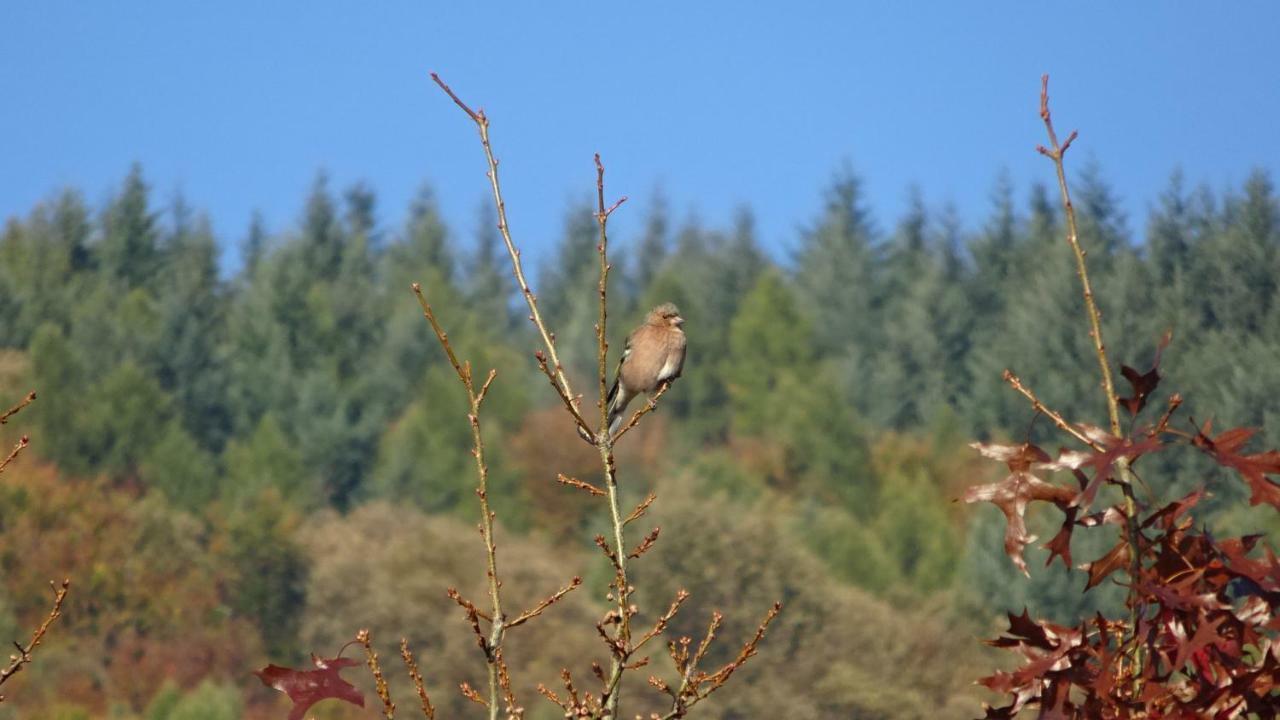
(654, 355)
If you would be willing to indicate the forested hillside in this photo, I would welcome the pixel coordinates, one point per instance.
(241, 469)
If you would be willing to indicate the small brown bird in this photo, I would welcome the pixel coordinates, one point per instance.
(654, 354)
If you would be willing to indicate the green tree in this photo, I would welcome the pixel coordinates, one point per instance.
(129, 251)
(180, 468)
(268, 459)
(270, 570)
(768, 342)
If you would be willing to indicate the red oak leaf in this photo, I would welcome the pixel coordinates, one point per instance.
(1206, 634)
(1168, 514)
(1117, 558)
(1143, 384)
(1253, 468)
(308, 687)
(1103, 461)
(1018, 489)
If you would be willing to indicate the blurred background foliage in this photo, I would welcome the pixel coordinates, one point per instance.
(241, 469)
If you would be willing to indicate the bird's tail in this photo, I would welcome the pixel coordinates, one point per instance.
(617, 400)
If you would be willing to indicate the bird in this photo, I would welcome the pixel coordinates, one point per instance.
(654, 355)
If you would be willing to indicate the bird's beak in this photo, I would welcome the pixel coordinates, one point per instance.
(677, 321)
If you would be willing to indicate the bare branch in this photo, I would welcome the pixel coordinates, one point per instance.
(640, 509)
(476, 117)
(464, 373)
(470, 693)
(574, 482)
(4, 418)
(428, 710)
(22, 444)
(661, 625)
(649, 407)
(570, 403)
(1057, 419)
(645, 544)
(1056, 153)
(23, 656)
(1175, 401)
(380, 682)
(545, 603)
(504, 228)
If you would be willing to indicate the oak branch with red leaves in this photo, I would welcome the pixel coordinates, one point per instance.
(1202, 638)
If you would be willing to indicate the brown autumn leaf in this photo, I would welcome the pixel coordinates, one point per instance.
(1018, 489)
(1168, 514)
(1102, 462)
(1206, 634)
(1253, 468)
(1060, 545)
(1117, 558)
(1143, 384)
(308, 687)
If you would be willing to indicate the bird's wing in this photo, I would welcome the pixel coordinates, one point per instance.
(617, 375)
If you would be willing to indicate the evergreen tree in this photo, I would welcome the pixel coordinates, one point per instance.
(567, 298)
(768, 341)
(129, 250)
(254, 245)
(835, 272)
(654, 243)
(190, 352)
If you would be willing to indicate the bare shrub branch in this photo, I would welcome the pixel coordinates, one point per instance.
(24, 652)
(615, 628)
(4, 418)
(428, 710)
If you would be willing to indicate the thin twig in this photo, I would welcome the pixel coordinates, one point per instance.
(482, 126)
(22, 444)
(602, 342)
(1175, 401)
(575, 482)
(649, 406)
(464, 374)
(546, 602)
(31, 396)
(640, 509)
(665, 619)
(493, 644)
(23, 656)
(1016, 383)
(1055, 152)
(380, 682)
(696, 685)
(428, 710)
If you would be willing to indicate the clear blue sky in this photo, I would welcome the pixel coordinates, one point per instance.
(238, 104)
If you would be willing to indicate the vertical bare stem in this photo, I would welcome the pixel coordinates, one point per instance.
(428, 710)
(1056, 152)
(548, 340)
(493, 645)
(613, 688)
(602, 217)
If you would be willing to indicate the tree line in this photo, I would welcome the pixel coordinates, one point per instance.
(272, 421)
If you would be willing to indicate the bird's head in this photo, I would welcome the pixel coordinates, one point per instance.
(666, 314)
